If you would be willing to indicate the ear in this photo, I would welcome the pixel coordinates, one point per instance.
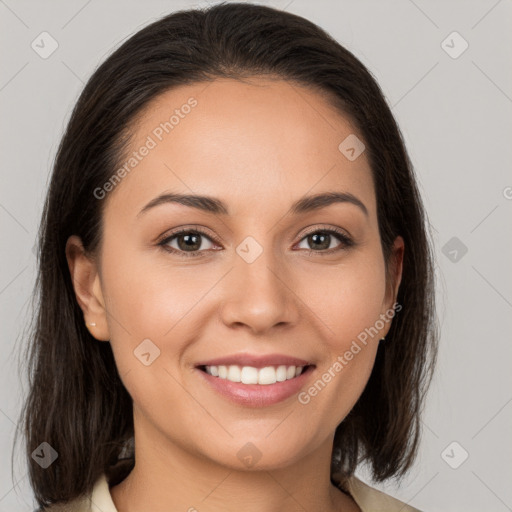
(394, 272)
(87, 285)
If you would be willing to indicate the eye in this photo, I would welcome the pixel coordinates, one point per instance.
(321, 241)
(187, 242)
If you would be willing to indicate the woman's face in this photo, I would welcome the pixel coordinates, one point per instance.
(264, 277)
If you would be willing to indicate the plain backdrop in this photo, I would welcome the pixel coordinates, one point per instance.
(453, 104)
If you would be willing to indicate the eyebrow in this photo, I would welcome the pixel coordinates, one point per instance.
(216, 206)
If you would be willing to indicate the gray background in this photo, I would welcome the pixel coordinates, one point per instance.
(455, 114)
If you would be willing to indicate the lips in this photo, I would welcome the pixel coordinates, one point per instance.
(256, 395)
(256, 361)
(249, 393)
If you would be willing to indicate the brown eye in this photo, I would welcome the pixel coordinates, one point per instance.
(187, 242)
(321, 241)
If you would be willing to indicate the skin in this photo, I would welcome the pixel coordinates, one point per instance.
(259, 146)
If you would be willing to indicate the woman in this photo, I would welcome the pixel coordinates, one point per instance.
(236, 284)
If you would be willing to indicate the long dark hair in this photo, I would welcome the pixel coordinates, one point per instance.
(77, 402)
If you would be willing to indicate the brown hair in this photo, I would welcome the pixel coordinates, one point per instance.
(77, 402)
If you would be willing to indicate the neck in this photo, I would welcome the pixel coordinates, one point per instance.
(166, 476)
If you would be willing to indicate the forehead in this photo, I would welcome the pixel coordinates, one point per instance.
(261, 141)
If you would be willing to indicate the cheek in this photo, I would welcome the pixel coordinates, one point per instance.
(147, 297)
(155, 303)
(347, 298)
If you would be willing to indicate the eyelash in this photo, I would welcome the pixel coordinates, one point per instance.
(346, 241)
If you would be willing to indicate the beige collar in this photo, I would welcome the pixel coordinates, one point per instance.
(373, 500)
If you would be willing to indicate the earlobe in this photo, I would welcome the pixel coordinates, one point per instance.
(87, 286)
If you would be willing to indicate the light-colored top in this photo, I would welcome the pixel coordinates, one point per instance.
(367, 498)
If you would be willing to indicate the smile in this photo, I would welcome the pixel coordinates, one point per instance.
(251, 375)
(255, 387)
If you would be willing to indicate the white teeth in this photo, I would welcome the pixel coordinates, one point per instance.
(251, 375)
(223, 372)
(281, 373)
(234, 374)
(267, 375)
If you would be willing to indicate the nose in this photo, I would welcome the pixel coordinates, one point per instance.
(259, 296)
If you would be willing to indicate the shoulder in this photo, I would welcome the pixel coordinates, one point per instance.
(98, 500)
(76, 505)
(373, 500)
